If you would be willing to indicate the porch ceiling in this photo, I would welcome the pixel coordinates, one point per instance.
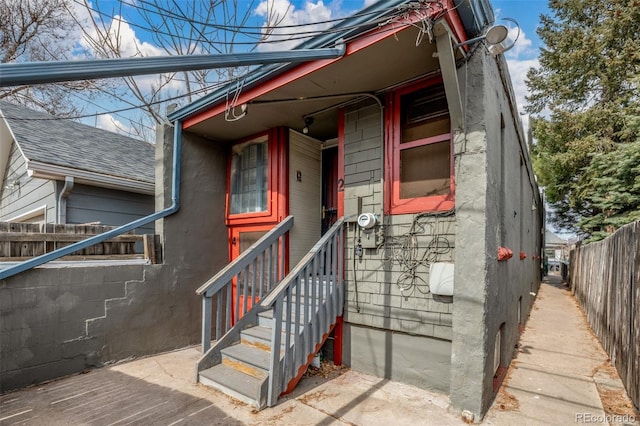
(387, 63)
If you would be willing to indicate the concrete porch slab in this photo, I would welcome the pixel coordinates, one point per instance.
(160, 390)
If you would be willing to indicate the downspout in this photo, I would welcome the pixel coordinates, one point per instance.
(62, 200)
(175, 198)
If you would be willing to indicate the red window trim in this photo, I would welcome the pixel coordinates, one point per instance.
(393, 204)
(277, 184)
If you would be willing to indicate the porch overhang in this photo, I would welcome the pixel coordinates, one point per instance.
(319, 88)
(374, 62)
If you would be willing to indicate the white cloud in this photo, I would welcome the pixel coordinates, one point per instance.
(108, 122)
(522, 46)
(368, 3)
(283, 12)
(121, 36)
(518, 69)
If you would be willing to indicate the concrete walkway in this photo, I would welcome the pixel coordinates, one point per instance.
(550, 382)
(559, 367)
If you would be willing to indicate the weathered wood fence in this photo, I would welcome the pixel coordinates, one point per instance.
(605, 279)
(20, 241)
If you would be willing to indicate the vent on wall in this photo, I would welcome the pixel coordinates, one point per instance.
(497, 349)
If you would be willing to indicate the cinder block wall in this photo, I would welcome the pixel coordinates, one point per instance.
(59, 321)
(43, 320)
(395, 327)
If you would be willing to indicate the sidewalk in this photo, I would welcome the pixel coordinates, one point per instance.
(552, 381)
(558, 370)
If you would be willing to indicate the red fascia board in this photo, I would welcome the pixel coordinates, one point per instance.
(311, 67)
(454, 21)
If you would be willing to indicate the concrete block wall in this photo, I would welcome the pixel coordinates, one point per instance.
(386, 296)
(59, 321)
(387, 291)
(44, 315)
(401, 331)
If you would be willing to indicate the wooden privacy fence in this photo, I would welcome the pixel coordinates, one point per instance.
(604, 277)
(21, 241)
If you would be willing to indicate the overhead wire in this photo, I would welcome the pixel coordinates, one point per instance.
(293, 36)
(403, 12)
(167, 12)
(137, 106)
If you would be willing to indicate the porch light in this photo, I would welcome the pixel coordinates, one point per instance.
(308, 121)
(495, 38)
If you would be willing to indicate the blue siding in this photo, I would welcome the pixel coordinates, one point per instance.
(30, 194)
(88, 204)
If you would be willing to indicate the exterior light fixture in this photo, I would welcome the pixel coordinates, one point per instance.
(308, 121)
(495, 38)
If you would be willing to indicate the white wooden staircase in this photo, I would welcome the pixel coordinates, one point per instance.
(293, 313)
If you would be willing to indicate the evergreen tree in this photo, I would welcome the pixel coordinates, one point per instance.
(585, 97)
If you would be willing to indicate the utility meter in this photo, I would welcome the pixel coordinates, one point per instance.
(367, 220)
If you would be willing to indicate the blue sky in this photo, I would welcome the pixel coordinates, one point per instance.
(525, 53)
(520, 58)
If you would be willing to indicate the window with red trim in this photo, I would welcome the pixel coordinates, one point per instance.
(249, 179)
(256, 179)
(419, 146)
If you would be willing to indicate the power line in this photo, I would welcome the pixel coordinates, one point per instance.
(138, 106)
(167, 12)
(244, 30)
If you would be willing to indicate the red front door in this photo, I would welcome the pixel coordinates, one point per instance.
(256, 202)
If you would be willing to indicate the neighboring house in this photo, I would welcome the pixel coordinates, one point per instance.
(414, 129)
(63, 172)
(555, 247)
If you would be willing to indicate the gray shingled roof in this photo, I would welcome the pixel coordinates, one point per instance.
(78, 146)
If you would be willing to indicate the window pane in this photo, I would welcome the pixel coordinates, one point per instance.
(246, 240)
(424, 113)
(425, 170)
(249, 183)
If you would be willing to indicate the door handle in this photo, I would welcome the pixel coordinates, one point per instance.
(328, 210)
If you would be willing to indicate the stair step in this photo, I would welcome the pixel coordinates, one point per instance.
(265, 319)
(260, 337)
(243, 387)
(247, 359)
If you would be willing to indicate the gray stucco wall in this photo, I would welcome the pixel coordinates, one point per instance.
(494, 207)
(55, 322)
(417, 360)
(28, 194)
(389, 309)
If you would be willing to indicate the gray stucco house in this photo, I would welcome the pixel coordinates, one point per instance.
(412, 142)
(360, 201)
(63, 172)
